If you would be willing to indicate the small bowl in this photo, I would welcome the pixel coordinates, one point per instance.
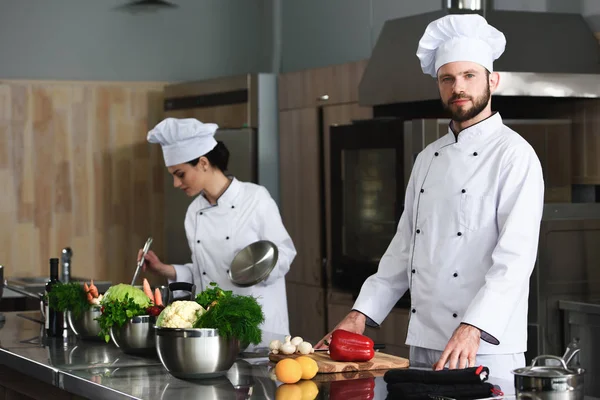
(137, 336)
(86, 327)
(195, 353)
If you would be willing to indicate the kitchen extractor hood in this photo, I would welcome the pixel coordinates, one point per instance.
(547, 55)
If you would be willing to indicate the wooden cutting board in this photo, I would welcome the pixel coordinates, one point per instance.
(380, 361)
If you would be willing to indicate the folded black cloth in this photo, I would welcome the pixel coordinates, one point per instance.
(421, 391)
(472, 375)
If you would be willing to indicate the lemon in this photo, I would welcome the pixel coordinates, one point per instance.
(309, 367)
(310, 391)
(288, 370)
(288, 391)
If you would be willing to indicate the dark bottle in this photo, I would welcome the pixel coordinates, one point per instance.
(54, 319)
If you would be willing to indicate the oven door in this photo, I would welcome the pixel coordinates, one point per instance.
(367, 194)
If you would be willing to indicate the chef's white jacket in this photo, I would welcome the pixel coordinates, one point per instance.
(467, 241)
(244, 214)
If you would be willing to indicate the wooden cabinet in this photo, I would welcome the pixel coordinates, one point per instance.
(301, 192)
(306, 307)
(309, 102)
(586, 142)
(392, 332)
(316, 87)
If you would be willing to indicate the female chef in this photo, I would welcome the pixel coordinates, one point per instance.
(226, 216)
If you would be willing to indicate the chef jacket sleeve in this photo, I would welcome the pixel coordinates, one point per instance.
(183, 273)
(519, 212)
(382, 290)
(271, 228)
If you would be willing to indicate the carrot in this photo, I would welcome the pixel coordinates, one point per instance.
(93, 289)
(157, 297)
(148, 290)
(89, 297)
(86, 288)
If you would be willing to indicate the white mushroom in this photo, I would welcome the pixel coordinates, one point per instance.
(274, 345)
(297, 340)
(287, 347)
(305, 348)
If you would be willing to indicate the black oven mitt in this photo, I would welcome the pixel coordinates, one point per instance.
(472, 375)
(421, 391)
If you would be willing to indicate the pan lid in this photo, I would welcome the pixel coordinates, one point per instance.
(253, 263)
(547, 371)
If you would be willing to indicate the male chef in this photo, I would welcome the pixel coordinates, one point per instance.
(466, 243)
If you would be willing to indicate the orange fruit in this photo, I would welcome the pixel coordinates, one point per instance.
(288, 370)
(309, 367)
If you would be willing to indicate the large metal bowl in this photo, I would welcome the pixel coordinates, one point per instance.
(195, 353)
(86, 327)
(137, 336)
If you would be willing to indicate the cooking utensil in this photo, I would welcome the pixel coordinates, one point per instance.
(195, 353)
(549, 381)
(136, 336)
(141, 262)
(86, 326)
(253, 263)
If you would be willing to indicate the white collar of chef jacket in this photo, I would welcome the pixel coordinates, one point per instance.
(228, 197)
(482, 130)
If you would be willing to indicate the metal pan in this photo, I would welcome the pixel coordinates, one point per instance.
(253, 263)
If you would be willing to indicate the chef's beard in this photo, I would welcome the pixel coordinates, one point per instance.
(462, 114)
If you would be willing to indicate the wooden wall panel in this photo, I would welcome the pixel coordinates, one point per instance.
(76, 170)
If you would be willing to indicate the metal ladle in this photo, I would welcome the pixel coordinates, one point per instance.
(141, 262)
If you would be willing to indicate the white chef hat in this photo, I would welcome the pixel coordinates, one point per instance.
(183, 140)
(460, 37)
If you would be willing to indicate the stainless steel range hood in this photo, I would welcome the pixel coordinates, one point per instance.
(547, 55)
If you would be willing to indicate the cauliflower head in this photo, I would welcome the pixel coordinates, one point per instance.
(180, 314)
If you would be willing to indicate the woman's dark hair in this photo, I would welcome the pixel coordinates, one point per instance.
(217, 157)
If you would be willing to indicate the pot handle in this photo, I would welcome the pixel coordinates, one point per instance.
(184, 286)
(560, 359)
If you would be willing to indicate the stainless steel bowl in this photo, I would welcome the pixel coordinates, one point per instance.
(86, 326)
(137, 336)
(195, 353)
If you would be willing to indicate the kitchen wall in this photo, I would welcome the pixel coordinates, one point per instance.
(75, 170)
(316, 33)
(90, 40)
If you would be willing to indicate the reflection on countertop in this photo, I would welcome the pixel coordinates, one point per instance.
(98, 370)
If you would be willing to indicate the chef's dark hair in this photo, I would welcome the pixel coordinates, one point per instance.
(217, 157)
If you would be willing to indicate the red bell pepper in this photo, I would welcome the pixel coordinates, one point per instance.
(348, 346)
(353, 389)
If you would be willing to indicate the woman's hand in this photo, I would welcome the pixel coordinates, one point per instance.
(153, 264)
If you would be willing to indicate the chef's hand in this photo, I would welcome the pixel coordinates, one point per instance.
(153, 264)
(461, 348)
(354, 322)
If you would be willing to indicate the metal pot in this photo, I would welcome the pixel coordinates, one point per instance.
(552, 382)
(86, 325)
(137, 336)
(195, 353)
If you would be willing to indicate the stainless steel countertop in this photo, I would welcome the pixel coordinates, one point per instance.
(97, 370)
